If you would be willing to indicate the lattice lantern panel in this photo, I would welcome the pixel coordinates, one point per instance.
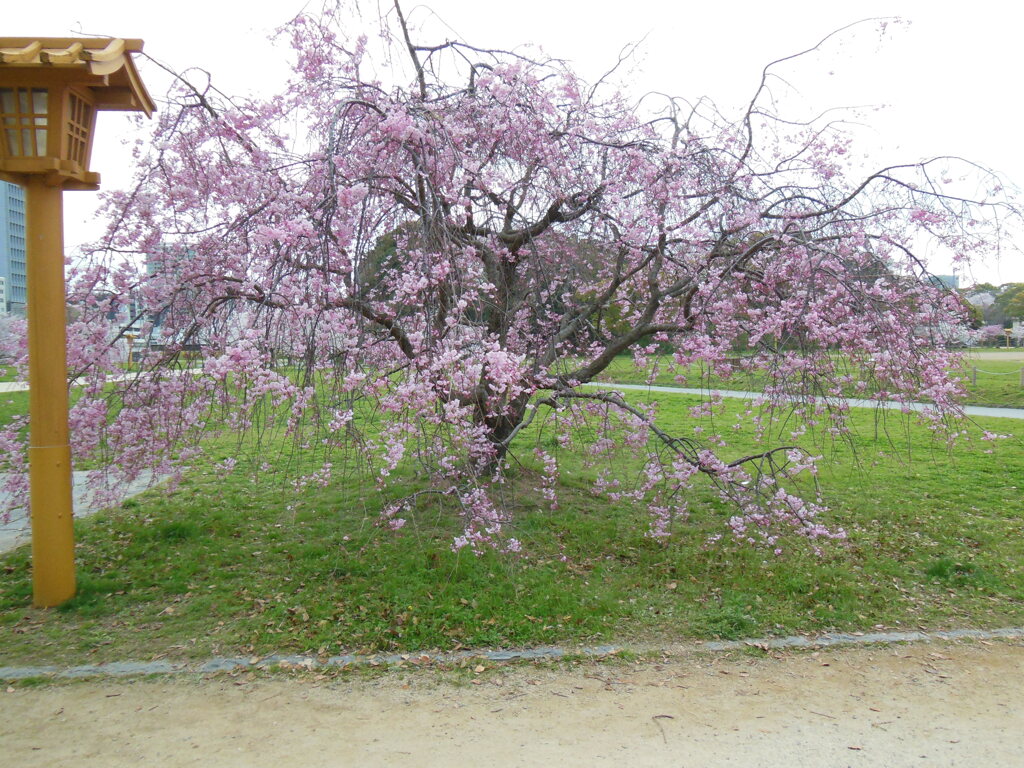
(40, 122)
(79, 121)
(24, 117)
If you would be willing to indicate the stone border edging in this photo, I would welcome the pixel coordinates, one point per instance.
(123, 669)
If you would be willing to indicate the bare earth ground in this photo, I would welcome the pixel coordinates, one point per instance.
(929, 704)
(997, 354)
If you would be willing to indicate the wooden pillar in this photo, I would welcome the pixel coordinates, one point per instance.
(53, 546)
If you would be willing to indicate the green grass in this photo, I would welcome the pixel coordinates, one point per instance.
(244, 565)
(998, 382)
(12, 404)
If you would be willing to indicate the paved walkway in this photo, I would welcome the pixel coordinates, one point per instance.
(853, 402)
(17, 530)
(22, 386)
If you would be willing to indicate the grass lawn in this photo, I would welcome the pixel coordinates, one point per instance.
(12, 404)
(246, 565)
(998, 382)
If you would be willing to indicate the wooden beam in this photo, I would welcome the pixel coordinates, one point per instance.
(115, 49)
(131, 44)
(17, 54)
(70, 55)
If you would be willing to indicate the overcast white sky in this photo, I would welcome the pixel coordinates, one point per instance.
(949, 81)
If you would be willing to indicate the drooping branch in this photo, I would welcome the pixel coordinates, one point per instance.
(495, 231)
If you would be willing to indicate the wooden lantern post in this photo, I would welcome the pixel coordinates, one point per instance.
(50, 92)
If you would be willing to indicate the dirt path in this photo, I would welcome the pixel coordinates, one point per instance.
(996, 354)
(920, 705)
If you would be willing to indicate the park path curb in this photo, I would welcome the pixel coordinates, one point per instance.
(126, 669)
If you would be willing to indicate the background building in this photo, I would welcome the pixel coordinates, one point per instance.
(12, 246)
(947, 281)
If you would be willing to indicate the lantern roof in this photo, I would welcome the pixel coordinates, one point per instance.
(103, 65)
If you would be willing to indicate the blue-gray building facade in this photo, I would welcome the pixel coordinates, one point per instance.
(12, 245)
